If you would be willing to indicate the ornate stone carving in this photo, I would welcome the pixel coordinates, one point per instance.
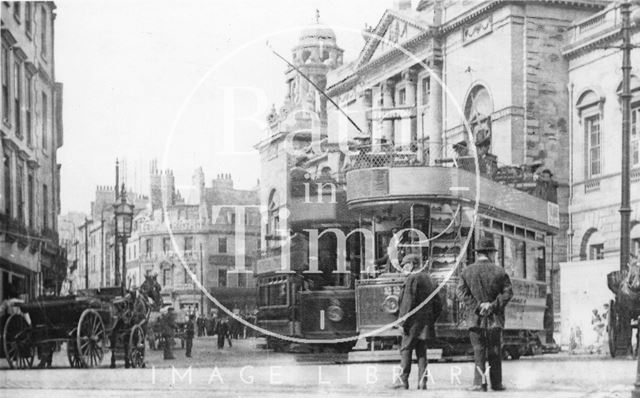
(477, 30)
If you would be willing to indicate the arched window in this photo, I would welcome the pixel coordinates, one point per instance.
(589, 108)
(592, 246)
(477, 111)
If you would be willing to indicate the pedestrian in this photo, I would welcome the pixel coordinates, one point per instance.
(169, 332)
(200, 323)
(419, 327)
(222, 329)
(485, 290)
(229, 332)
(189, 332)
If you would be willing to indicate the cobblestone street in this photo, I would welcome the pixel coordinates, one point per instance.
(244, 371)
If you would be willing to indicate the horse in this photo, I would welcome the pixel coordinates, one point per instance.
(133, 310)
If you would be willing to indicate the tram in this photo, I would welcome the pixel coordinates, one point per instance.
(439, 202)
(400, 206)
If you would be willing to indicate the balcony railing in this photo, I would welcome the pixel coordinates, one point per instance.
(602, 22)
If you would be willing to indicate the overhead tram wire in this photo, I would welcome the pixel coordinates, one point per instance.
(320, 90)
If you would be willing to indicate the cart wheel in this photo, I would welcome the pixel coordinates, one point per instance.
(136, 347)
(18, 348)
(90, 338)
(612, 325)
(72, 355)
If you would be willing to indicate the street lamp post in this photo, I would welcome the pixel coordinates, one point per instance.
(123, 212)
(625, 209)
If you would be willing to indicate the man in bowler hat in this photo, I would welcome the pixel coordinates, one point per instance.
(485, 289)
(419, 327)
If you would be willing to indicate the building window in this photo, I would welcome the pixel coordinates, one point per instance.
(635, 247)
(45, 117)
(592, 133)
(242, 279)
(16, 10)
(166, 245)
(29, 109)
(165, 276)
(402, 96)
(43, 32)
(17, 93)
(27, 18)
(188, 243)
(7, 184)
(148, 245)
(30, 195)
(222, 277)
(478, 110)
(187, 278)
(45, 206)
(426, 89)
(596, 252)
(20, 191)
(222, 245)
(635, 136)
(5, 83)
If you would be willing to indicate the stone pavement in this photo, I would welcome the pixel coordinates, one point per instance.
(243, 371)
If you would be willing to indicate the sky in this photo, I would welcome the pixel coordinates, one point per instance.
(188, 82)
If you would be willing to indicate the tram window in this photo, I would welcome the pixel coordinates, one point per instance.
(509, 229)
(497, 225)
(541, 260)
(532, 260)
(531, 235)
(498, 241)
(514, 257)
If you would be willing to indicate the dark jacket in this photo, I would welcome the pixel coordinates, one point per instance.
(190, 329)
(483, 282)
(417, 287)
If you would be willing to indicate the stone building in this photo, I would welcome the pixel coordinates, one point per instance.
(422, 73)
(181, 241)
(595, 125)
(90, 237)
(289, 160)
(31, 133)
(499, 66)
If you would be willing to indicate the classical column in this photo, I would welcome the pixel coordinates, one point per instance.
(387, 103)
(409, 123)
(434, 128)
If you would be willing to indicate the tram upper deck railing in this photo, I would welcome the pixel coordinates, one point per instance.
(520, 177)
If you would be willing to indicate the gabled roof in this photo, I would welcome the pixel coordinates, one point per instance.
(412, 18)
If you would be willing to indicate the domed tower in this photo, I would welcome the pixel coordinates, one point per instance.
(315, 55)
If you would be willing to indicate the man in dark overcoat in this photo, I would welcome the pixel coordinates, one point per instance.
(222, 329)
(168, 322)
(485, 289)
(189, 333)
(418, 327)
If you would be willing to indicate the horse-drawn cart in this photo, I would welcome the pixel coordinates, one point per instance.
(81, 322)
(89, 324)
(624, 311)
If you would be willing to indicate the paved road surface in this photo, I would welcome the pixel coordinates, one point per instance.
(243, 371)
